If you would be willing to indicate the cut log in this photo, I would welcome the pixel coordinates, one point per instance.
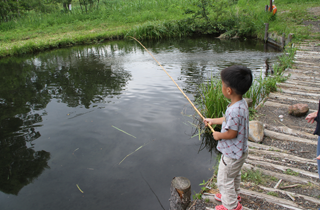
(272, 199)
(281, 136)
(310, 199)
(284, 177)
(283, 156)
(180, 193)
(283, 168)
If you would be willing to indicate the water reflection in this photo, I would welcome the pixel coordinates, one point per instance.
(78, 77)
(20, 92)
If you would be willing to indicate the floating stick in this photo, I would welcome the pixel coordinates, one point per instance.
(133, 152)
(79, 188)
(195, 108)
(124, 132)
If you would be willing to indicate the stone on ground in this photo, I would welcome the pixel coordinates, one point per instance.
(256, 131)
(298, 110)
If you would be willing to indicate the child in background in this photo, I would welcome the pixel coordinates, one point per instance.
(315, 116)
(233, 138)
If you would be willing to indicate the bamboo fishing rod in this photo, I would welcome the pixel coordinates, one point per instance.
(194, 107)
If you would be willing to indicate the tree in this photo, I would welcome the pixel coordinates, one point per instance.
(88, 4)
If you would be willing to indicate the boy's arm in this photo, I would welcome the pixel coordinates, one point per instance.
(213, 121)
(229, 134)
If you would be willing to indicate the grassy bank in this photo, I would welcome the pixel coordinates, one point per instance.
(144, 19)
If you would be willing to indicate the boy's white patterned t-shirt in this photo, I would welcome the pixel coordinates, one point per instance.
(237, 119)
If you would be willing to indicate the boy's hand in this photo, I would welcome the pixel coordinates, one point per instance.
(213, 121)
(208, 121)
(310, 117)
(216, 136)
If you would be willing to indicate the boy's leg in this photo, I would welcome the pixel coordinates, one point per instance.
(228, 171)
(237, 180)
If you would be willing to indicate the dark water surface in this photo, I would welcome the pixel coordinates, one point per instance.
(60, 110)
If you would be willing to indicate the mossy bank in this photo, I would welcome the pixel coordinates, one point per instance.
(33, 29)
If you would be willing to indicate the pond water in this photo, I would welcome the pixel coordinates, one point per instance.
(66, 116)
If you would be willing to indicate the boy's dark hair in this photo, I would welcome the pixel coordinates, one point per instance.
(238, 78)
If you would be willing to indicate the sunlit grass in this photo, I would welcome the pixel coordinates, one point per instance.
(149, 19)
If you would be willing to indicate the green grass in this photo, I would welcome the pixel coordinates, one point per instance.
(290, 172)
(275, 194)
(147, 19)
(254, 176)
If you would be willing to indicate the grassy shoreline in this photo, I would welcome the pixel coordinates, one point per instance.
(153, 20)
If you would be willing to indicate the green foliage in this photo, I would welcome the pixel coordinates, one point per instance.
(254, 176)
(95, 20)
(197, 196)
(273, 193)
(273, 178)
(290, 172)
(204, 184)
(211, 101)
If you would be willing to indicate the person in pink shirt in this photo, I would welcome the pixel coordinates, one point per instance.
(233, 138)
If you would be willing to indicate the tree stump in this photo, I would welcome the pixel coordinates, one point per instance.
(180, 193)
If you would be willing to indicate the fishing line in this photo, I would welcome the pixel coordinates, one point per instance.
(152, 191)
(195, 108)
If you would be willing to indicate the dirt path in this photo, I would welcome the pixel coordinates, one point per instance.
(288, 148)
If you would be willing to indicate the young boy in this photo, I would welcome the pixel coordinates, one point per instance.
(233, 138)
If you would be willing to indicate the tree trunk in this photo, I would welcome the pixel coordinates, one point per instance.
(180, 193)
(80, 5)
(18, 7)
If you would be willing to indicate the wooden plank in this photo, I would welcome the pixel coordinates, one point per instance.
(282, 106)
(283, 156)
(286, 97)
(292, 84)
(284, 177)
(300, 93)
(303, 84)
(307, 52)
(310, 199)
(284, 137)
(290, 131)
(264, 147)
(283, 168)
(272, 199)
(274, 104)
